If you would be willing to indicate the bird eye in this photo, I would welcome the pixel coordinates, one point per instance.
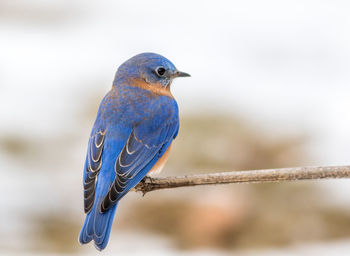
(160, 71)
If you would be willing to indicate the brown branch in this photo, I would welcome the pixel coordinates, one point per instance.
(149, 184)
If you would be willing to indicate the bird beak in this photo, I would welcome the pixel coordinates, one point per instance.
(181, 74)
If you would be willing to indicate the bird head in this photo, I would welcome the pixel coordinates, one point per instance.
(149, 67)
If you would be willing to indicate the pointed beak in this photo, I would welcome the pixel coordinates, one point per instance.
(181, 74)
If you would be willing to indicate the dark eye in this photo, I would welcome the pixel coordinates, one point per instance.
(160, 71)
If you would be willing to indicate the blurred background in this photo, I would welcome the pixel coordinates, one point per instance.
(269, 88)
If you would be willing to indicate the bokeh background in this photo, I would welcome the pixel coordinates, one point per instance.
(269, 88)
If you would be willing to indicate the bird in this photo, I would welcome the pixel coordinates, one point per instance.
(136, 123)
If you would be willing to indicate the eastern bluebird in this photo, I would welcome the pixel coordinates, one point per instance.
(135, 125)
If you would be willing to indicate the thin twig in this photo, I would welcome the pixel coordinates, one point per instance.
(256, 176)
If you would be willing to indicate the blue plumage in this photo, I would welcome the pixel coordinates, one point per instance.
(135, 125)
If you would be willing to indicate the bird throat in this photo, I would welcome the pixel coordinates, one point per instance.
(154, 88)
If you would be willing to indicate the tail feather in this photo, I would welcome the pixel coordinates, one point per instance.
(97, 227)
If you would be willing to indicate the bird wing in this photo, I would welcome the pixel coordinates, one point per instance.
(144, 146)
(92, 167)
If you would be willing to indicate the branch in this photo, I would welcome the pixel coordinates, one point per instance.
(149, 184)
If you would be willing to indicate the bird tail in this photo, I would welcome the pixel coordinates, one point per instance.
(97, 227)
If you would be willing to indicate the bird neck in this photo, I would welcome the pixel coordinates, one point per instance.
(155, 89)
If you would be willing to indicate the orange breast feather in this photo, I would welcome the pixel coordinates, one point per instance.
(157, 168)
